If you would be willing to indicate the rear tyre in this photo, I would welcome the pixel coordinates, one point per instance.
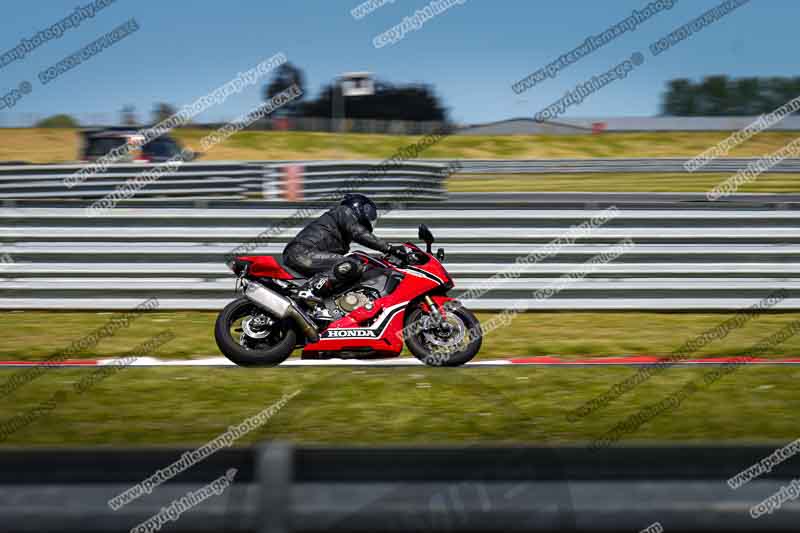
(452, 345)
(250, 336)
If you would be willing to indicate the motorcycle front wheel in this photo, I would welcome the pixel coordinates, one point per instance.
(453, 342)
(250, 336)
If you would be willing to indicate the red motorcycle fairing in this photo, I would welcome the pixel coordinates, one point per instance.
(432, 270)
(265, 266)
(379, 330)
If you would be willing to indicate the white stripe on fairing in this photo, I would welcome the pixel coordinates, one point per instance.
(414, 271)
(388, 313)
(418, 272)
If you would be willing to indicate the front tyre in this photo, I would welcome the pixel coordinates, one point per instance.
(250, 336)
(453, 342)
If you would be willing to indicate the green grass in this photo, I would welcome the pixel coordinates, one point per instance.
(33, 335)
(51, 146)
(773, 183)
(188, 406)
(301, 145)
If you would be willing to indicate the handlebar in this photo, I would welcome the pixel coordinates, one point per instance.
(412, 257)
(395, 260)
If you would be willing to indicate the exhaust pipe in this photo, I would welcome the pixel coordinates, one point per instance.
(281, 307)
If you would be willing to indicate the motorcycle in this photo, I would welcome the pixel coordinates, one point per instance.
(398, 300)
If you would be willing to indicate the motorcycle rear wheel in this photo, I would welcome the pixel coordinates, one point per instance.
(271, 350)
(435, 348)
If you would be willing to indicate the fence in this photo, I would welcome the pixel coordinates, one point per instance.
(324, 180)
(280, 489)
(705, 257)
(231, 180)
(401, 181)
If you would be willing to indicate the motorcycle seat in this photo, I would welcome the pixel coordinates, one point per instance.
(295, 274)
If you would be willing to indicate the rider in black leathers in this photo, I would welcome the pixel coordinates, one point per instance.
(318, 250)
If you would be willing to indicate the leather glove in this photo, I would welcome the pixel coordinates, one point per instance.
(399, 251)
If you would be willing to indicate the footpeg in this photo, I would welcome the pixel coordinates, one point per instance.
(309, 296)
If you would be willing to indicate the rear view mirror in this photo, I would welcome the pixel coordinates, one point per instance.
(426, 236)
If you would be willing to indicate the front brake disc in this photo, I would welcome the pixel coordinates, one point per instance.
(432, 334)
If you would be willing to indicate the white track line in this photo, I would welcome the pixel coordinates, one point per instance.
(390, 362)
(222, 361)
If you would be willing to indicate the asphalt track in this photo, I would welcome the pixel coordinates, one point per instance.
(638, 360)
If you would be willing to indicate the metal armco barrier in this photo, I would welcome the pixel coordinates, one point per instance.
(401, 180)
(191, 180)
(721, 255)
(231, 180)
(321, 180)
(279, 488)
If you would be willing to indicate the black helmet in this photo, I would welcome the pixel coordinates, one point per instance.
(365, 209)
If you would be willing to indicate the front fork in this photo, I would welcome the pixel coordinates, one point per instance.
(435, 307)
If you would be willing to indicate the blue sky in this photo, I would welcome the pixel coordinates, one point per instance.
(471, 54)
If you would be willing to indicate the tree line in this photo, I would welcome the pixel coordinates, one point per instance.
(724, 96)
(711, 96)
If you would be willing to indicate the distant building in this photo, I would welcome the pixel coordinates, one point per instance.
(357, 84)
